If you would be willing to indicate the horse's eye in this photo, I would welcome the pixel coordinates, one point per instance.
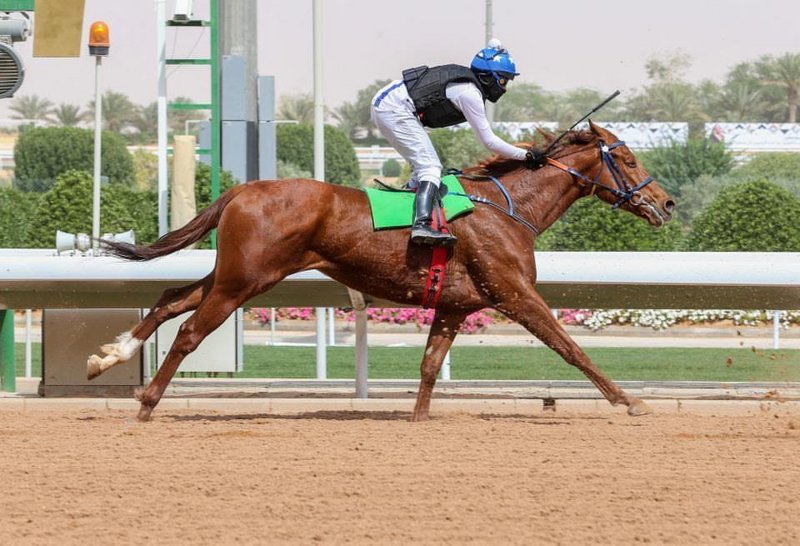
(631, 163)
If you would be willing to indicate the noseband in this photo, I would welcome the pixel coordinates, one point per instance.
(624, 191)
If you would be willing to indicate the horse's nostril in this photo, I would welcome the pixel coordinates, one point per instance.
(669, 204)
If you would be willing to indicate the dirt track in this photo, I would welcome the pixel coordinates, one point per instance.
(91, 477)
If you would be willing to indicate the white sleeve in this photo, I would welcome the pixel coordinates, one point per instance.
(470, 102)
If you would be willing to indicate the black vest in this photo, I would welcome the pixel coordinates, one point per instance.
(426, 87)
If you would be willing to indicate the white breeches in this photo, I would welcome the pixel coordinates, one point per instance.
(407, 135)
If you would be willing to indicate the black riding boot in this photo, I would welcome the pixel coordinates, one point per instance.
(421, 231)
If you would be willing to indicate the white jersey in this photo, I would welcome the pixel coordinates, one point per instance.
(466, 97)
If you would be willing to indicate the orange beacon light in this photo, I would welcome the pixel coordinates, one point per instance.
(98, 39)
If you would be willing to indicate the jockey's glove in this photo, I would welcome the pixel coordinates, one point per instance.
(535, 159)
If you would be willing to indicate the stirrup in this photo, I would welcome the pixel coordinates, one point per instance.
(425, 235)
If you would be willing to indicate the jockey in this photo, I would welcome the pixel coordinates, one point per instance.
(442, 96)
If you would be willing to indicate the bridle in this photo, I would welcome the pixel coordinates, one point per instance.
(625, 191)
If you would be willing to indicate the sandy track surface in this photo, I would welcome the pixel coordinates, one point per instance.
(189, 477)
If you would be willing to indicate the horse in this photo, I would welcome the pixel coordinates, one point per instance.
(267, 230)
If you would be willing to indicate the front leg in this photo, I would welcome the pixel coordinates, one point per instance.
(532, 312)
(442, 333)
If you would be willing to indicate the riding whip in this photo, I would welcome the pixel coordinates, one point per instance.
(595, 109)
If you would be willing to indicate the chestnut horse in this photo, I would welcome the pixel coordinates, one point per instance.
(270, 229)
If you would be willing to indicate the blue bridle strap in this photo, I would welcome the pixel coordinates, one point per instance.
(624, 191)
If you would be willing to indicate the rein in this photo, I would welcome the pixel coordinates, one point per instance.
(478, 199)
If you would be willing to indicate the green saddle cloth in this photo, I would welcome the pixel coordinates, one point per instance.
(395, 209)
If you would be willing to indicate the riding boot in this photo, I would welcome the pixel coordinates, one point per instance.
(421, 231)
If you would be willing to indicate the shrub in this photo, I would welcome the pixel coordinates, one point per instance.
(295, 144)
(782, 168)
(749, 217)
(16, 215)
(458, 149)
(68, 206)
(591, 225)
(42, 154)
(391, 168)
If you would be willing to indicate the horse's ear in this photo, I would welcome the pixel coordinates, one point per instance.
(599, 131)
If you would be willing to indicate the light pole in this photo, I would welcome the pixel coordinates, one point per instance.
(98, 48)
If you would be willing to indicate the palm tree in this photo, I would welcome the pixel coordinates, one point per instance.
(68, 115)
(783, 71)
(31, 107)
(299, 108)
(354, 117)
(176, 119)
(118, 111)
(146, 122)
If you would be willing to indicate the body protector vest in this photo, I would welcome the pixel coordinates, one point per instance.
(426, 87)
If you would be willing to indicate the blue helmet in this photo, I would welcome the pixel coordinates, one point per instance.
(494, 68)
(494, 59)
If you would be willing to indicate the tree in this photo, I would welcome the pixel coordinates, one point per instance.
(681, 163)
(299, 108)
(68, 115)
(42, 154)
(354, 117)
(295, 144)
(176, 119)
(756, 216)
(31, 107)
(391, 168)
(146, 122)
(118, 111)
(783, 71)
(591, 225)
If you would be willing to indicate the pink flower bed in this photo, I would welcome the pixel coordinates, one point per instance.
(400, 315)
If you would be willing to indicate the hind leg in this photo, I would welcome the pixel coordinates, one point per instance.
(210, 314)
(443, 331)
(173, 302)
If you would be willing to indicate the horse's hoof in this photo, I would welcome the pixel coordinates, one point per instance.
(93, 368)
(638, 407)
(144, 414)
(419, 418)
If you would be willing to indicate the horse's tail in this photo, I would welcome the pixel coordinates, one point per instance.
(182, 237)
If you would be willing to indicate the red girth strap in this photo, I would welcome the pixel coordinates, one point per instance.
(435, 280)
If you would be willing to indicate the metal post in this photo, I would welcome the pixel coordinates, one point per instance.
(446, 367)
(28, 355)
(331, 326)
(362, 366)
(322, 364)
(161, 105)
(272, 326)
(216, 114)
(7, 357)
(319, 164)
(98, 118)
(776, 330)
(489, 31)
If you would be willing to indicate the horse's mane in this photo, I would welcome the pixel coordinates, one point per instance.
(503, 165)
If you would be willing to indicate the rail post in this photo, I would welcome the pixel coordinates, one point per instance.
(8, 361)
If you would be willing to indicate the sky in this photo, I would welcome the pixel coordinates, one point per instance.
(556, 44)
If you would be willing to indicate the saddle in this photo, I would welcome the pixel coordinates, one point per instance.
(394, 208)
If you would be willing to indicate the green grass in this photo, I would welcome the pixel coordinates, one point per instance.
(525, 363)
(673, 364)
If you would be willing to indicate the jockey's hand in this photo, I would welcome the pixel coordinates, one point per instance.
(535, 159)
